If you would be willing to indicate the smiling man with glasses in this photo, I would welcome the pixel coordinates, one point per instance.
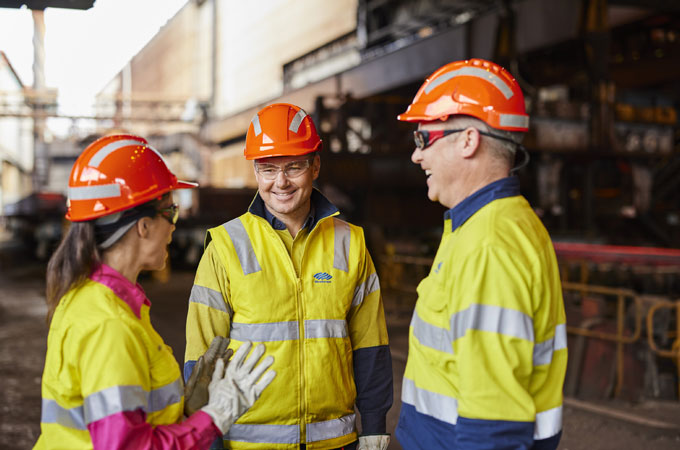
(487, 347)
(289, 272)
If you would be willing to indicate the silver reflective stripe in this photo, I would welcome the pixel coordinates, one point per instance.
(264, 434)
(164, 396)
(112, 147)
(341, 252)
(94, 192)
(371, 285)
(473, 72)
(297, 120)
(543, 351)
(264, 332)
(431, 335)
(330, 429)
(210, 298)
(114, 400)
(325, 329)
(242, 245)
(430, 403)
(548, 423)
(495, 319)
(256, 125)
(53, 413)
(514, 120)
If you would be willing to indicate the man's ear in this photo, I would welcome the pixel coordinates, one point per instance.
(471, 143)
(316, 166)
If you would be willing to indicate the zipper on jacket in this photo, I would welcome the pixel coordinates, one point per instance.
(301, 353)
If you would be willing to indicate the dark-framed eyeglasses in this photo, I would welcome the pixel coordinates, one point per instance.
(425, 138)
(171, 213)
(291, 170)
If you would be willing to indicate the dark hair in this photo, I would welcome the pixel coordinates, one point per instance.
(79, 252)
(71, 263)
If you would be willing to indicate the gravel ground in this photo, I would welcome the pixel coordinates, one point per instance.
(23, 336)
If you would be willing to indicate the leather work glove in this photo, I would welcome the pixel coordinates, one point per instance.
(374, 442)
(235, 390)
(196, 389)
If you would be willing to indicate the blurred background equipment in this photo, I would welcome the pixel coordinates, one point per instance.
(602, 85)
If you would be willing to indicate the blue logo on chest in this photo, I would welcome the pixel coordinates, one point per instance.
(322, 277)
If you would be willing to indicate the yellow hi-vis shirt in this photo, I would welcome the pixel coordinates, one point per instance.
(102, 359)
(487, 344)
(313, 320)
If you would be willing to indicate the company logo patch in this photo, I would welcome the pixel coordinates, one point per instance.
(322, 277)
(439, 266)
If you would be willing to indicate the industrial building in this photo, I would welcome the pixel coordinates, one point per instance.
(601, 80)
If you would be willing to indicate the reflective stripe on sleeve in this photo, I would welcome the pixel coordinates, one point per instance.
(94, 192)
(52, 412)
(543, 351)
(341, 251)
(210, 298)
(514, 120)
(117, 399)
(264, 434)
(495, 319)
(430, 403)
(242, 245)
(297, 120)
(473, 72)
(325, 329)
(430, 335)
(371, 285)
(329, 429)
(164, 396)
(263, 332)
(548, 423)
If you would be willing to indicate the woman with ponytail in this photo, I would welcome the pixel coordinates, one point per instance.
(109, 380)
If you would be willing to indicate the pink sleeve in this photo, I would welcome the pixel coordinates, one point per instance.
(129, 430)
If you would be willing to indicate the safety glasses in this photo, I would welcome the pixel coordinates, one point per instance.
(171, 213)
(291, 170)
(424, 139)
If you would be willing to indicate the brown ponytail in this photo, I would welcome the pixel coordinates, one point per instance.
(71, 263)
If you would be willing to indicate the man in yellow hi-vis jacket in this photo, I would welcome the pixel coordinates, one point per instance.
(487, 345)
(290, 273)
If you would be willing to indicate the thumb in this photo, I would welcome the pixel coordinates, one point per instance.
(218, 373)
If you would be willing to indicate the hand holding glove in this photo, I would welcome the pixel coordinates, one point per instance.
(235, 390)
(374, 442)
(196, 389)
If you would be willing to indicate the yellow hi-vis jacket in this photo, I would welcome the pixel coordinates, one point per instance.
(103, 360)
(487, 344)
(315, 323)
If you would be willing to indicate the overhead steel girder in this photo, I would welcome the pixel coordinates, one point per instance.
(42, 4)
(539, 23)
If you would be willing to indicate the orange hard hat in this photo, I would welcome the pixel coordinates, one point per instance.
(115, 173)
(281, 129)
(473, 87)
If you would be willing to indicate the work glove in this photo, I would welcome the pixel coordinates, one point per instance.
(374, 442)
(235, 390)
(196, 389)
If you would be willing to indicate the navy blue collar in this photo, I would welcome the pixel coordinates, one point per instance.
(505, 187)
(320, 207)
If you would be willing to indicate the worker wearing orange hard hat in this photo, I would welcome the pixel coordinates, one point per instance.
(289, 272)
(487, 344)
(109, 380)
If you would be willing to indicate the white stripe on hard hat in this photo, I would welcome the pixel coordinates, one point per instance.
(473, 72)
(94, 192)
(256, 125)
(297, 120)
(514, 120)
(112, 147)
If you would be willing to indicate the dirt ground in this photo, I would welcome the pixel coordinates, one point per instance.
(23, 335)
